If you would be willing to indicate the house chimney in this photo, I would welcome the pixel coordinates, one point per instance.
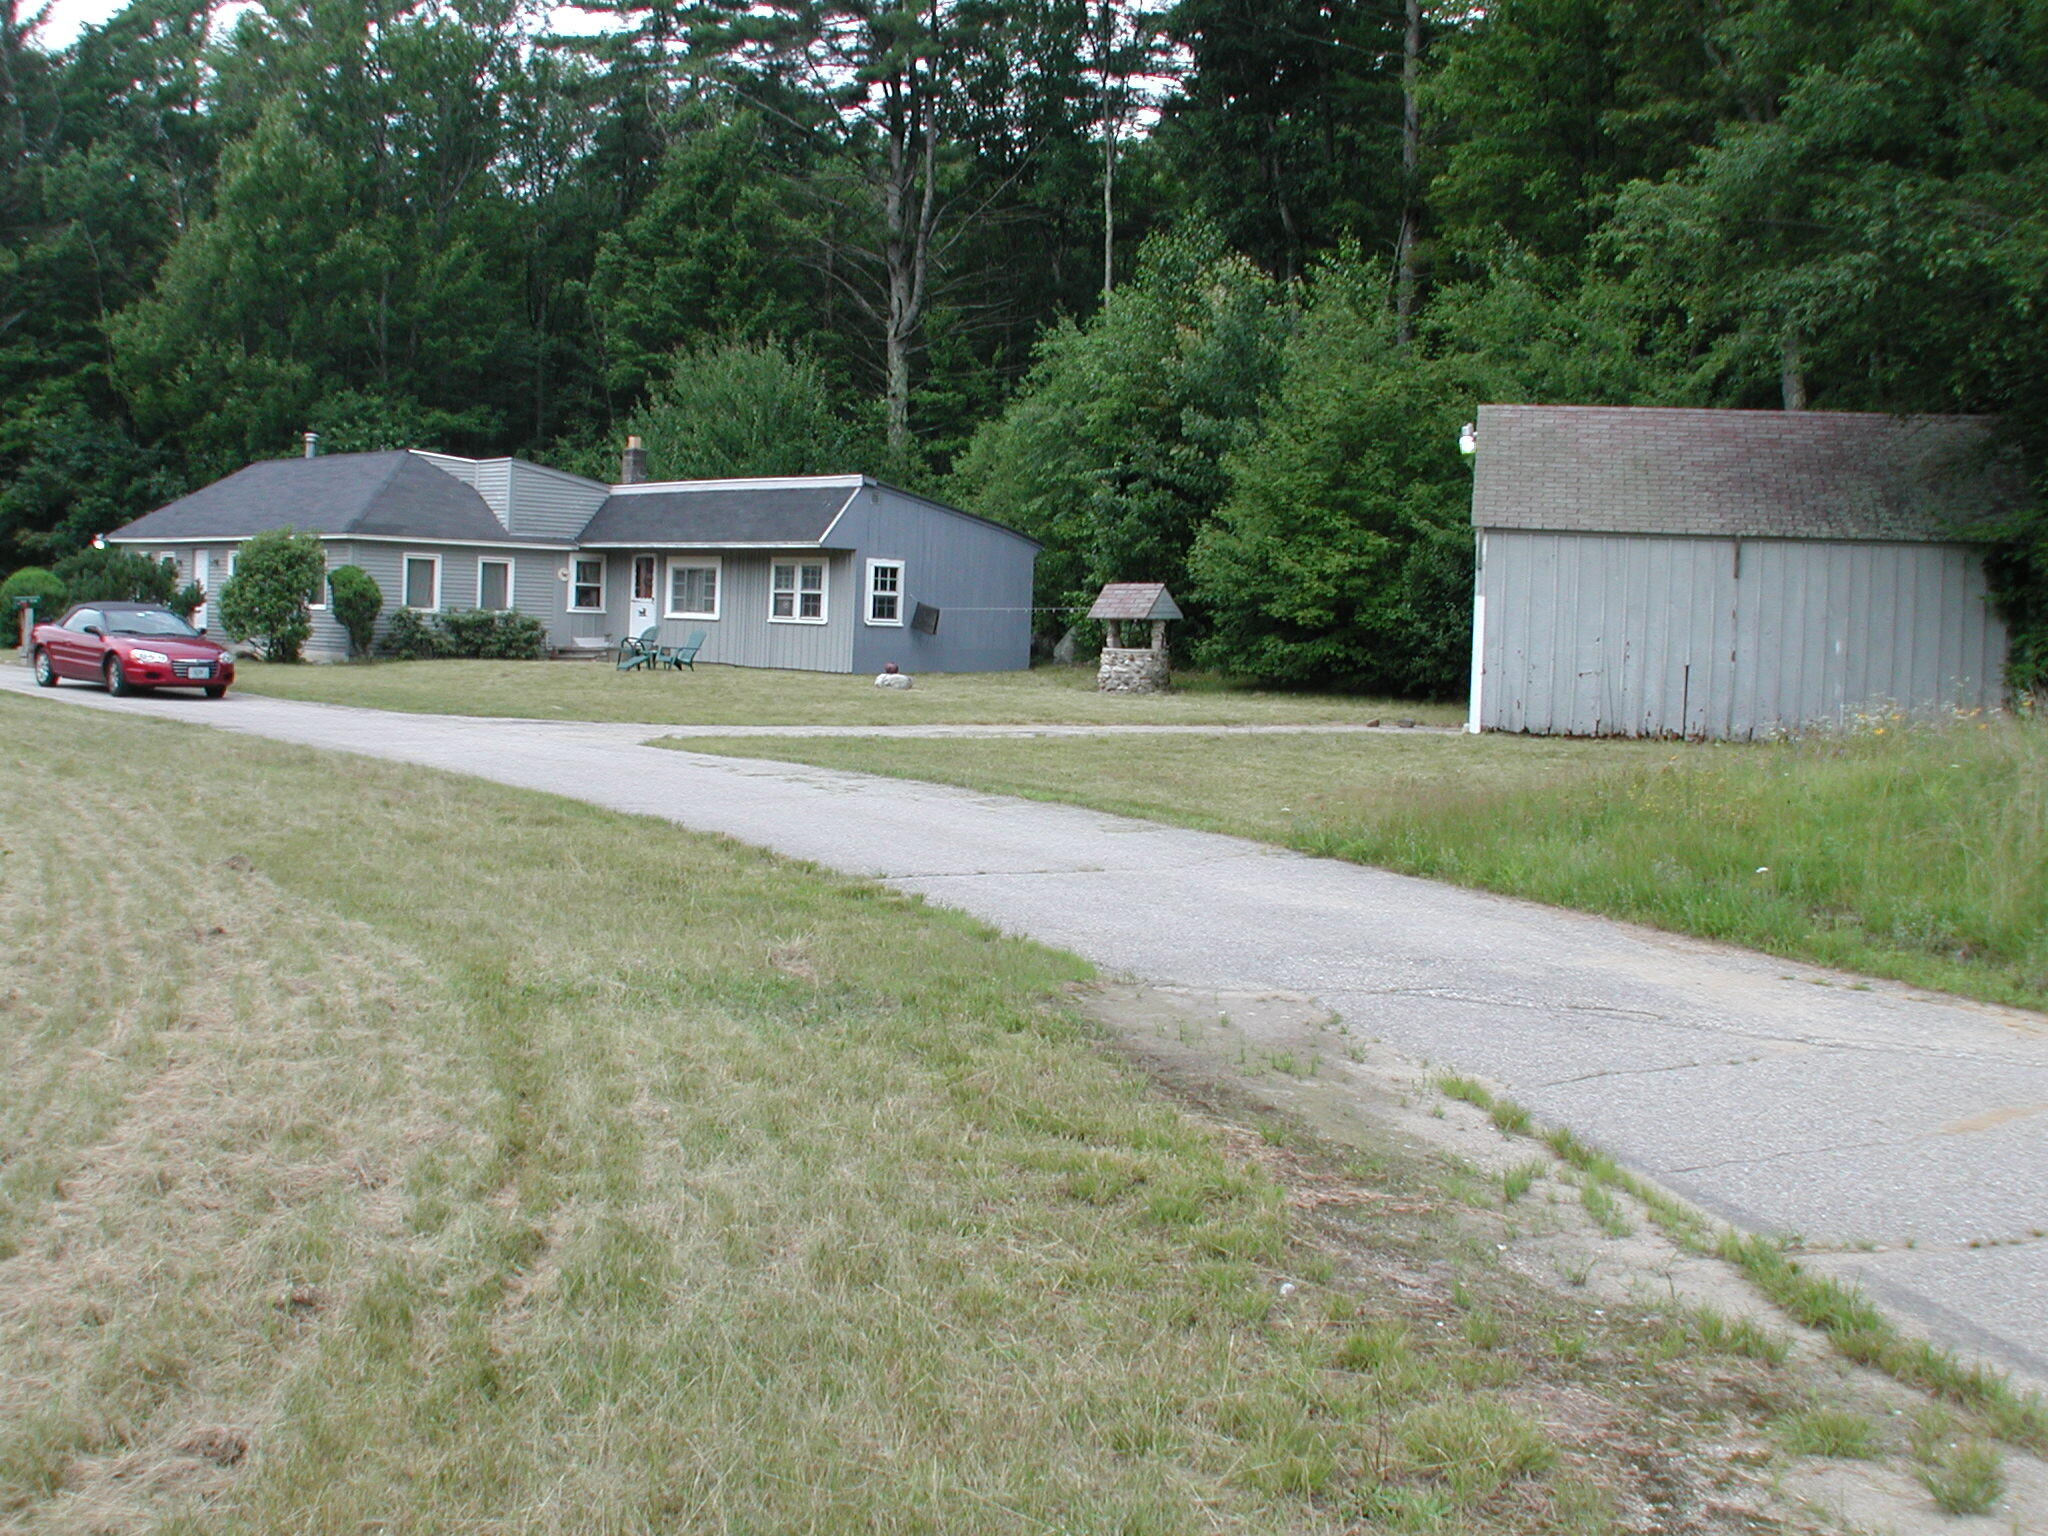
(633, 463)
(312, 445)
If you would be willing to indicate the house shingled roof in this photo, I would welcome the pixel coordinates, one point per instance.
(1748, 474)
(398, 494)
(1135, 600)
(715, 512)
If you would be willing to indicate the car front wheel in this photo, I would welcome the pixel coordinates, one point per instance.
(216, 690)
(46, 671)
(117, 677)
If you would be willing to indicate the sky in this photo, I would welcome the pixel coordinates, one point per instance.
(67, 18)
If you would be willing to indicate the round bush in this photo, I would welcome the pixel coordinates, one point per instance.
(357, 602)
(45, 591)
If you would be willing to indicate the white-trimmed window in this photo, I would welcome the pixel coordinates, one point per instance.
(494, 584)
(643, 578)
(796, 592)
(586, 585)
(693, 588)
(885, 592)
(423, 583)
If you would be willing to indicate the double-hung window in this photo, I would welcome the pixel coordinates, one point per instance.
(796, 591)
(423, 582)
(586, 585)
(885, 592)
(494, 584)
(692, 589)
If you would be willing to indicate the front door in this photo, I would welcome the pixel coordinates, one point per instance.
(640, 612)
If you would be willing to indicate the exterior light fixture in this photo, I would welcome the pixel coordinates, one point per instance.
(1468, 439)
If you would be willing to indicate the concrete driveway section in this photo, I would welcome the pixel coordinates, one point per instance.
(1906, 1132)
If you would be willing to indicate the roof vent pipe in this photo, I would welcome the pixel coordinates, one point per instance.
(312, 445)
(633, 463)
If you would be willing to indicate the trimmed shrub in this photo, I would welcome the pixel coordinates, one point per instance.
(413, 636)
(116, 576)
(357, 602)
(45, 591)
(492, 634)
(186, 600)
(277, 576)
(473, 634)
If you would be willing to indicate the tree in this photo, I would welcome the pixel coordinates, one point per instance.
(740, 408)
(357, 602)
(1343, 553)
(1870, 238)
(714, 250)
(1286, 130)
(277, 576)
(879, 85)
(1112, 451)
(76, 472)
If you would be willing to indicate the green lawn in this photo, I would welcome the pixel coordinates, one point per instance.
(388, 1150)
(713, 695)
(1918, 853)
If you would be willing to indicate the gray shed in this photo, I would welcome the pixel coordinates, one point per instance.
(1706, 573)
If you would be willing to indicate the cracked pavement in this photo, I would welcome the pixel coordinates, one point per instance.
(1903, 1134)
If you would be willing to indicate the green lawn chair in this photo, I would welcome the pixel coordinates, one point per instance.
(639, 650)
(684, 655)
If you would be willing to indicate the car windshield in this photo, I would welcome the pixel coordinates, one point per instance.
(151, 621)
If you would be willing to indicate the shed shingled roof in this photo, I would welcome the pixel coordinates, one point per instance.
(399, 494)
(1135, 600)
(1748, 474)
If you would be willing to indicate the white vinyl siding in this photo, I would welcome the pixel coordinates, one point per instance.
(586, 584)
(885, 592)
(494, 584)
(796, 592)
(423, 582)
(692, 589)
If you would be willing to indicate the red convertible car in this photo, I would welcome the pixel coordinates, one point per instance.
(128, 647)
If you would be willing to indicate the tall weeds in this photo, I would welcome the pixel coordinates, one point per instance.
(1917, 852)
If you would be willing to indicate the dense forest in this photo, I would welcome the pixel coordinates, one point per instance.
(1199, 293)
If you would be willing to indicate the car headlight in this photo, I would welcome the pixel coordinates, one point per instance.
(154, 658)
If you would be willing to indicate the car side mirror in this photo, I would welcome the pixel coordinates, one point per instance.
(94, 629)
(202, 631)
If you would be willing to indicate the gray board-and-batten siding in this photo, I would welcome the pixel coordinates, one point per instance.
(1636, 635)
(376, 509)
(976, 573)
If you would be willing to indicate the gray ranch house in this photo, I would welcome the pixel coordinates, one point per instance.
(1709, 573)
(821, 573)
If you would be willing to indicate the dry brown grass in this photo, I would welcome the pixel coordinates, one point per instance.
(386, 1150)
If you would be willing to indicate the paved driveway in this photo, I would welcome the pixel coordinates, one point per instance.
(1909, 1130)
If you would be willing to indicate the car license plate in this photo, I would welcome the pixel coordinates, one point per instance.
(200, 669)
